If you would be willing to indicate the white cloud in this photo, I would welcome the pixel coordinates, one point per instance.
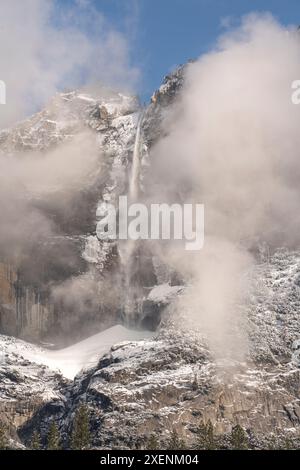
(232, 142)
(44, 47)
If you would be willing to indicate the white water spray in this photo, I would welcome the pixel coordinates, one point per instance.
(136, 162)
(130, 245)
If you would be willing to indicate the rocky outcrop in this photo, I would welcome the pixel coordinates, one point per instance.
(25, 387)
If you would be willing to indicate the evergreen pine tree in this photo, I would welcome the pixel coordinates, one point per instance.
(238, 438)
(53, 438)
(272, 444)
(153, 443)
(35, 441)
(287, 444)
(205, 436)
(80, 438)
(195, 384)
(175, 443)
(3, 439)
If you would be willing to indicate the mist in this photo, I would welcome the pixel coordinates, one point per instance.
(36, 184)
(45, 48)
(232, 142)
(49, 190)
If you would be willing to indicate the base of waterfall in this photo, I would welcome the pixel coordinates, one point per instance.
(80, 356)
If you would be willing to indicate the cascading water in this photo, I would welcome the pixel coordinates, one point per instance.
(136, 161)
(129, 249)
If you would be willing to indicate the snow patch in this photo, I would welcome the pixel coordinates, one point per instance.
(83, 355)
(164, 293)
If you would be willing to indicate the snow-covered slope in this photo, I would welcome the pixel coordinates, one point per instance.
(70, 361)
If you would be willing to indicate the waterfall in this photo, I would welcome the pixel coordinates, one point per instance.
(136, 161)
(129, 248)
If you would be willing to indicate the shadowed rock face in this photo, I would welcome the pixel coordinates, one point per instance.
(25, 388)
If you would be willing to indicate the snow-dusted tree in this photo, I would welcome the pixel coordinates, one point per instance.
(53, 438)
(81, 436)
(175, 443)
(153, 443)
(205, 436)
(3, 439)
(238, 438)
(35, 443)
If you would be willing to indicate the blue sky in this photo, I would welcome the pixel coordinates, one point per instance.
(165, 33)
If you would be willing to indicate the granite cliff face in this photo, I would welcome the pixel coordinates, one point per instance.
(69, 256)
(171, 380)
(70, 251)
